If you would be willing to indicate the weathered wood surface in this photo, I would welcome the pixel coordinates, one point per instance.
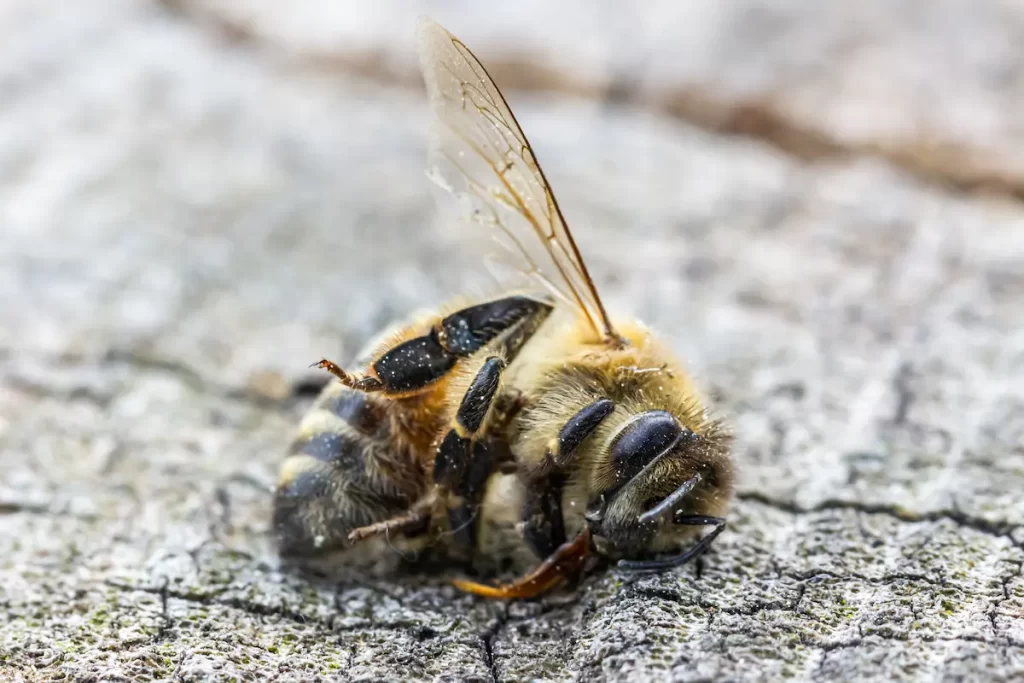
(194, 199)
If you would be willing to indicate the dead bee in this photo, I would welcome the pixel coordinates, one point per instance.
(525, 426)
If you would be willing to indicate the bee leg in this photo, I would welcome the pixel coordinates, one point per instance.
(464, 505)
(453, 454)
(562, 451)
(514, 319)
(564, 563)
(682, 558)
(464, 462)
(413, 365)
(417, 515)
(350, 380)
(543, 525)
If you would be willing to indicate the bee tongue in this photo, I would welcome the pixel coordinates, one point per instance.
(566, 561)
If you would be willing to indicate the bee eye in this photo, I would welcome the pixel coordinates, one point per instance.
(648, 436)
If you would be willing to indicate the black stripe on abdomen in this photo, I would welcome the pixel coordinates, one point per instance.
(345, 452)
(361, 411)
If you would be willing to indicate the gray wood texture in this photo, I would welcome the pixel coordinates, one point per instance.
(819, 204)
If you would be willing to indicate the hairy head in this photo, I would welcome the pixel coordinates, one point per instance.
(653, 478)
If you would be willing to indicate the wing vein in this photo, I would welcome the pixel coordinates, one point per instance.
(479, 129)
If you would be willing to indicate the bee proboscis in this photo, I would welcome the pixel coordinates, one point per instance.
(529, 427)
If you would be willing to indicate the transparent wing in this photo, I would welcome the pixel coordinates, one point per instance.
(479, 153)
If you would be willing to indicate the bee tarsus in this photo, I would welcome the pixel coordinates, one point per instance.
(358, 382)
(415, 516)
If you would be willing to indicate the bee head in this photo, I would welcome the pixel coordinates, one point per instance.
(658, 476)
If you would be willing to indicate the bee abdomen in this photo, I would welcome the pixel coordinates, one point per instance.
(340, 473)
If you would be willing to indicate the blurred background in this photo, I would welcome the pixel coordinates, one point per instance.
(819, 204)
(237, 188)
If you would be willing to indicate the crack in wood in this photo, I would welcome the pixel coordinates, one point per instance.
(998, 529)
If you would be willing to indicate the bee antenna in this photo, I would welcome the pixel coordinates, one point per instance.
(407, 558)
(452, 532)
(682, 558)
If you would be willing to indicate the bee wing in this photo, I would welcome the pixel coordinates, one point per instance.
(479, 153)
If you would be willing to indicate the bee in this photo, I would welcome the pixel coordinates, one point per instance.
(530, 427)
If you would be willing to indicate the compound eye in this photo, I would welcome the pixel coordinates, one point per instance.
(643, 440)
